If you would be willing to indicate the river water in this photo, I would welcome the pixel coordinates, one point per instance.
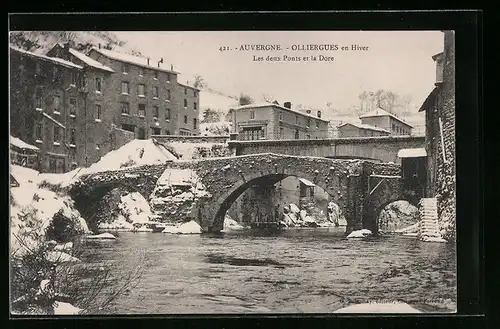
(297, 270)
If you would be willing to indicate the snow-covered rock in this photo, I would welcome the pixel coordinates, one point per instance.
(294, 209)
(61, 308)
(378, 308)
(186, 228)
(102, 236)
(433, 239)
(303, 215)
(64, 246)
(231, 225)
(61, 257)
(360, 234)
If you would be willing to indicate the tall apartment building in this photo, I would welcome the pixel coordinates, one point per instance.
(146, 97)
(45, 94)
(272, 121)
(74, 107)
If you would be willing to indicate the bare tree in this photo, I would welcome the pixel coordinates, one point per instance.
(267, 98)
(199, 82)
(245, 99)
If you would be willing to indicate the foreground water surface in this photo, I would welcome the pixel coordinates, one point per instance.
(297, 270)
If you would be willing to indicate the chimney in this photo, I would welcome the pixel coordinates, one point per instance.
(99, 46)
(171, 67)
(288, 105)
(308, 111)
(319, 114)
(66, 46)
(148, 60)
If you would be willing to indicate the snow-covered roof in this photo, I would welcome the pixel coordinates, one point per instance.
(22, 145)
(412, 153)
(131, 59)
(54, 120)
(54, 60)
(364, 126)
(262, 105)
(306, 182)
(379, 112)
(430, 100)
(187, 85)
(89, 61)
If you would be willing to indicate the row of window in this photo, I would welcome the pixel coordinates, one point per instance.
(56, 136)
(297, 119)
(399, 129)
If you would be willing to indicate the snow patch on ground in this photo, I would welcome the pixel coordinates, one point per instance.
(359, 234)
(186, 228)
(61, 308)
(378, 308)
(231, 225)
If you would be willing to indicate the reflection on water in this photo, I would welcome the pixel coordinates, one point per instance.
(296, 270)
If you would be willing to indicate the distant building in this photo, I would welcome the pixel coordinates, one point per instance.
(349, 129)
(23, 154)
(380, 118)
(272, 121)
(146, 97)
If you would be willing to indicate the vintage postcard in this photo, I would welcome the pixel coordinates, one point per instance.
(232, 172)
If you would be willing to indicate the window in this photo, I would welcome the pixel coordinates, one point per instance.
(125, 68)
(168, 77)
(168, 94)
(72, 106)
(185, 91)
(57, 104)
(297, 134)
(155, 131)
(185, 103)
(98, 84)
(194, 105)
(52, 165)
(39, 98)
(38, 131)
(282, 132)
(73, 78)
(308, 123)
(57, 134)
(393, 127)
(308, 136)
(195, 122)
(155, 91)
(252, 114)
(297, 120)
(185, 119)
(317, 124)
(156, 75)
(83, 80)
(125, 88)
(281, 116)
(142, 110)
(125, 108)
(72, 136)
(141, 89)
(141, 71)
(167, 114)
(98, 112)
(156, 112)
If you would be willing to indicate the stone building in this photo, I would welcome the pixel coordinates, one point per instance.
(146, 97)
(380, 118)
(272, 121)
(439, 110)
(43, 94)
(350, 129)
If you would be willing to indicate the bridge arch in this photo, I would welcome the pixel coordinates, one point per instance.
(336, 190)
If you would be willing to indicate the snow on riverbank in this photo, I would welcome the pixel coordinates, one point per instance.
(32, 205)
(132, 209)
(186, 228)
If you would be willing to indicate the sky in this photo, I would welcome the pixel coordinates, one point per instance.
(399, 61)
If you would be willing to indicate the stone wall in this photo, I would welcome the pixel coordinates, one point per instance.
(120, 137)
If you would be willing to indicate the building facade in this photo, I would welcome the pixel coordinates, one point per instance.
(439, 110)
(380, 118)
(43, 94)
(272, 122)
(147, 98)
(360, 130)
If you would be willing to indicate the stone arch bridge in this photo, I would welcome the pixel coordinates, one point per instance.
(360, 187)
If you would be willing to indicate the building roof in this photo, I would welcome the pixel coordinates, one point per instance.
(22, 145)
(188, 86)
(364, 126)
(54, 120)
(437, 56)
(262, 105)
(89, 61)
(380, 112)
(306, 182)
(430, 100)
(54, 60)
(131, 59)
(412, 153)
